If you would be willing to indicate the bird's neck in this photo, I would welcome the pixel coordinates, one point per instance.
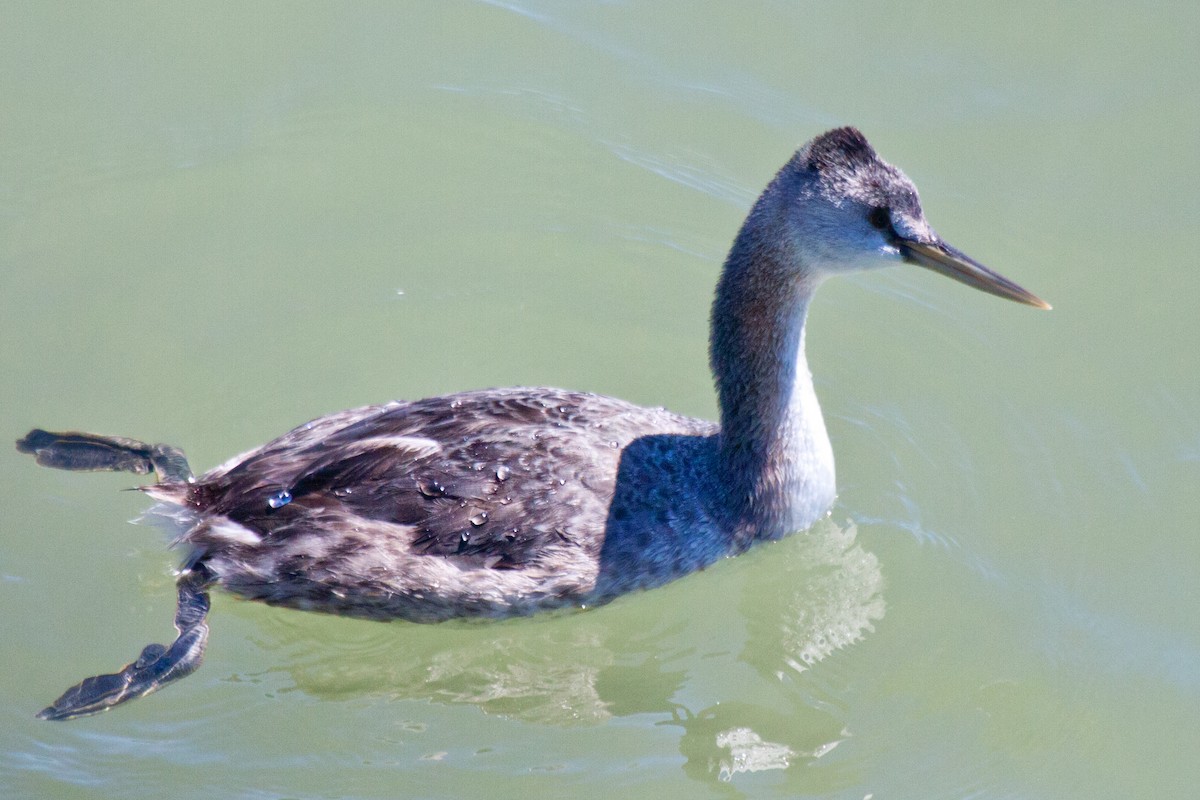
(774, 451)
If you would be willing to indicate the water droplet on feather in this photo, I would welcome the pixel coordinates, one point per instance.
(431, 488)
(279, 499)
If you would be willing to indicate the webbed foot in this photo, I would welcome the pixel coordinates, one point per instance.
(157, 665)
(94, 453)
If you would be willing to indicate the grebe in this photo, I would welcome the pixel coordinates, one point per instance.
(507, 501)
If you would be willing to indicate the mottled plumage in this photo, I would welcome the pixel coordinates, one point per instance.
(484, 503)
(507, 501)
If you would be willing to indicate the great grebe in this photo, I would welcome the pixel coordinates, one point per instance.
(507, 501)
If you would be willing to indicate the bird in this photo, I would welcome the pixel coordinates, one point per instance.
(503, 502)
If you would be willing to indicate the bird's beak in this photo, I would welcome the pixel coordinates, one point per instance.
(941, 257)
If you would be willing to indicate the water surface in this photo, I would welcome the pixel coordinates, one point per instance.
(218, 222)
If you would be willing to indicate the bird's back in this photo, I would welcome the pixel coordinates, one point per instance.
(483, 503)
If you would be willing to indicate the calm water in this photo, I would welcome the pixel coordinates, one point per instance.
(218, 222)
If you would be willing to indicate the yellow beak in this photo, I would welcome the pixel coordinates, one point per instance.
(941, 257)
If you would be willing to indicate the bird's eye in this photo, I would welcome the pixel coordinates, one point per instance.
(880, 219)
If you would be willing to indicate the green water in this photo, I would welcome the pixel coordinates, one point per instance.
(218, 221)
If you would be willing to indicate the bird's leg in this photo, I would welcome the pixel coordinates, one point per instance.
(94, 453)
(155, 667)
